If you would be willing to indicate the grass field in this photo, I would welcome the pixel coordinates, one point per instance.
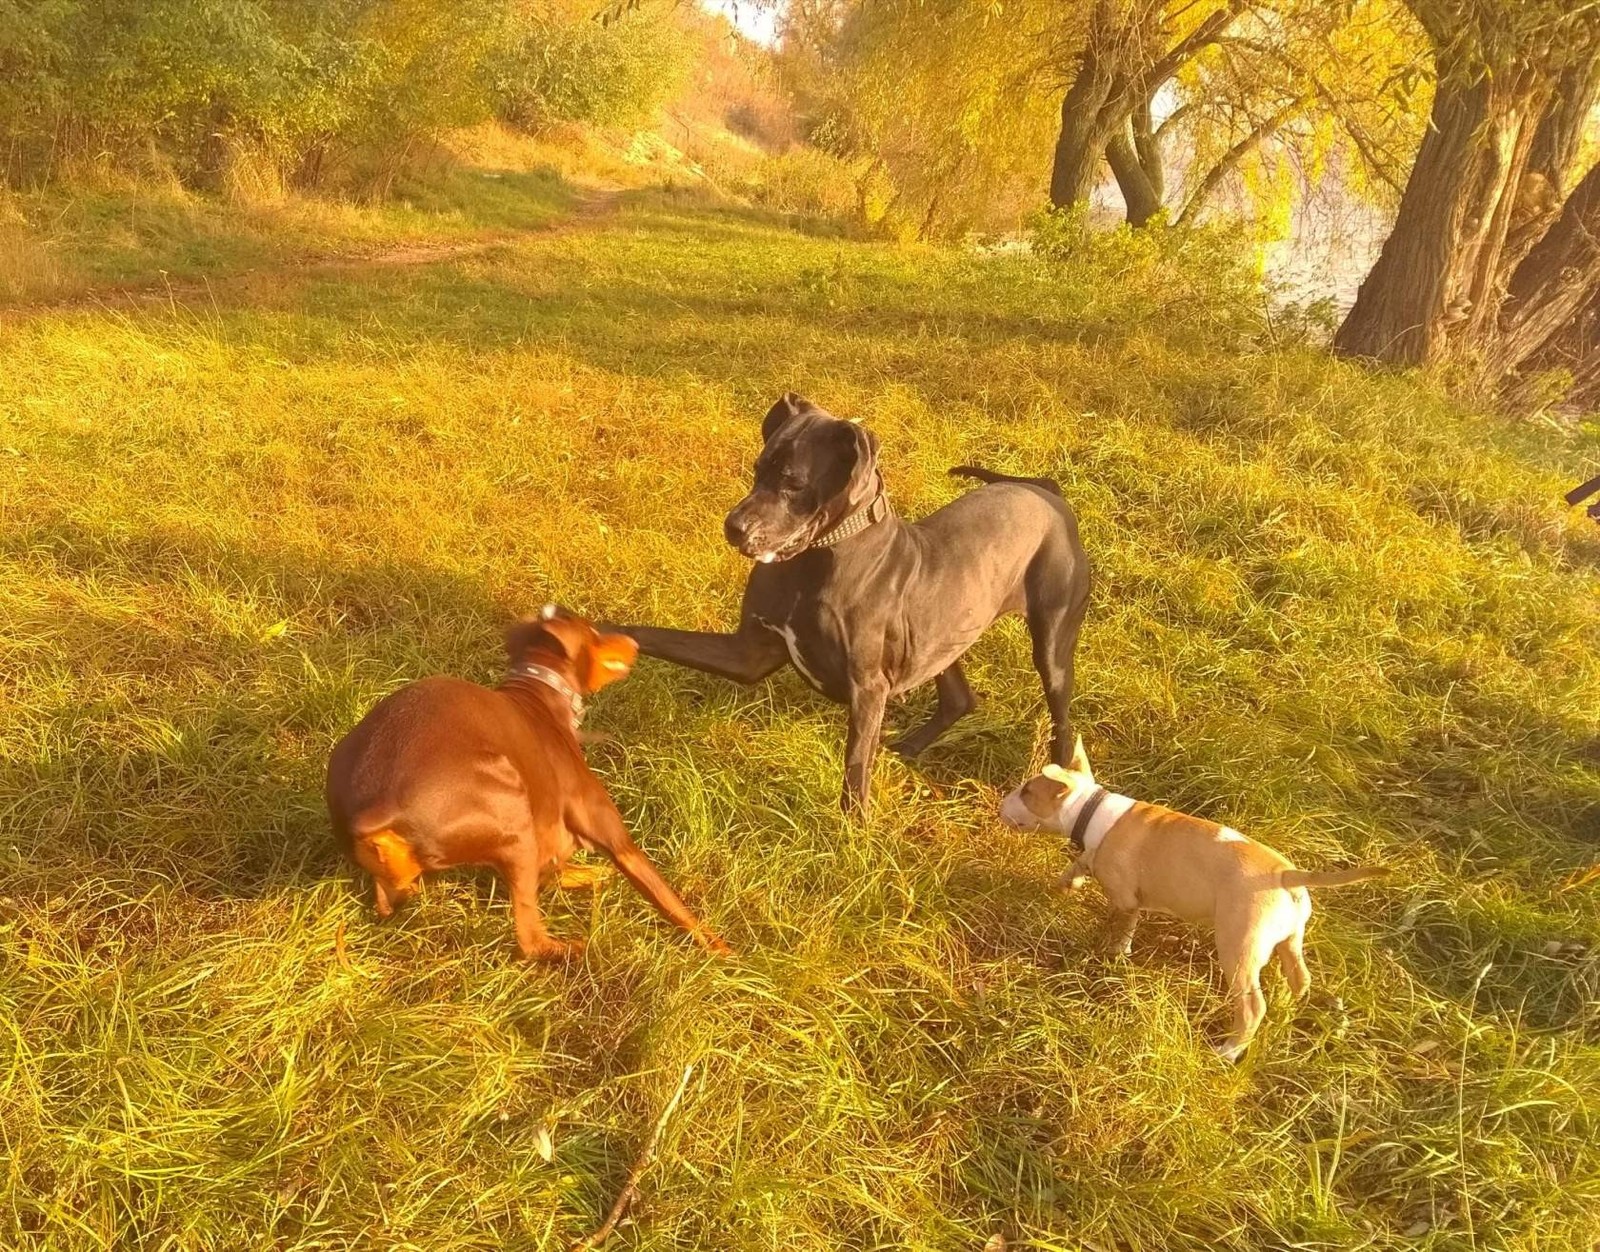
(1335, 610)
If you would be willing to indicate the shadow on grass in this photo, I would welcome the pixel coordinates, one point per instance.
(189, 750)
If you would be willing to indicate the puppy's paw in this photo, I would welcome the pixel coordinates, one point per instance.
(1230, 1050)
(1072, 882)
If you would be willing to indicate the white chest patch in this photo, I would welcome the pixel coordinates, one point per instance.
(1228, 835)
(793, 645)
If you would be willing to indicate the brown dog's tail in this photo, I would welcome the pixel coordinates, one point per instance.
(1331, 878)
(989, 476)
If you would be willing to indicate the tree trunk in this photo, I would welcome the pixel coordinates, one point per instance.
(1141, 198)
(1083, 134)
(1440, 267)
(1575, 350)
(1555, 147)
(1556, 281)
(1147, 144)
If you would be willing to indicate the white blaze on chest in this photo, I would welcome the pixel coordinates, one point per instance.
(786, 632)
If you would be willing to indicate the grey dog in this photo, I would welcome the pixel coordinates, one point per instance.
(867, 606)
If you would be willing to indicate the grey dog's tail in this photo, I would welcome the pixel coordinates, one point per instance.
(989, 476)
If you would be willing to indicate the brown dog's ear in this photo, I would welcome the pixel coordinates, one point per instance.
(1043, 794)
(787, 408)
(527, 633)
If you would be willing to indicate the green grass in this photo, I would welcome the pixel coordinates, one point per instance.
(81, 242)
(1335, 610)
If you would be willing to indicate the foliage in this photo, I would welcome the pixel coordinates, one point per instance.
(1332, 609)
(962, 102)
(306, 85)
(1151, 267)
(557, 64)
(944, 98)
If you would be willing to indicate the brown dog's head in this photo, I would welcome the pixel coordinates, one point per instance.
(573, 646)
(814, 471)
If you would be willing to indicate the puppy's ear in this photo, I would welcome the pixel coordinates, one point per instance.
(781, 414)
(1080, 760)
(552, 628)
(1056, 774)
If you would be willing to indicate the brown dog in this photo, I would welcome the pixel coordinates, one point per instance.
(1148, 858)
(444, 772)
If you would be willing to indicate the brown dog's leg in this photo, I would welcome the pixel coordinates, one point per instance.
(600, 825)
(536, 943)
(382, 897)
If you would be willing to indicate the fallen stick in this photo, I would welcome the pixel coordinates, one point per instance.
(631, 1188)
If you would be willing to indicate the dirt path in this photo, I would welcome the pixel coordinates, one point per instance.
(589, 209)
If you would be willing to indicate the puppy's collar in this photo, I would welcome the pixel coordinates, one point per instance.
(1088, 815)
(874, 511)
(1086, 811)
(544, 674)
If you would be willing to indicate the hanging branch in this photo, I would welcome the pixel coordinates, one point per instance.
(1234, 155)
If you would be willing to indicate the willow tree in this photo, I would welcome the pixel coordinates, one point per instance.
(969, 105)
(1131, 50)
(1515, 80)
(944, 100)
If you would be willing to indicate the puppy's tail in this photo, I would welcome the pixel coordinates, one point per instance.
(1331, 878)
(989, 476)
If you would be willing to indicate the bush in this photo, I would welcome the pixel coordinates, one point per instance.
(1154, 270)
(281, 81)
(557, 64)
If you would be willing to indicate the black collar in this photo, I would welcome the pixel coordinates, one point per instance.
(874, 511)
(544, 674)
(1086, 812)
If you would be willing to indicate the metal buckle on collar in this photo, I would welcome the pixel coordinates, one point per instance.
(544, 674)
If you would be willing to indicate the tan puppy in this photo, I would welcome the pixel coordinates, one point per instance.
(1150, 858)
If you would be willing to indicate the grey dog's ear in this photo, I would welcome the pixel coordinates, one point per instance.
(788, 407)
(865, 444)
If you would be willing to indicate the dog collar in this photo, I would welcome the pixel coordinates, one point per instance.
(544, 674)
(875, 511)
(1086, 812)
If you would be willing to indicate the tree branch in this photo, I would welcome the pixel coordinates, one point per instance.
(1180, 53)
(1234, 155)
(1374, 160)
(1173, 118)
